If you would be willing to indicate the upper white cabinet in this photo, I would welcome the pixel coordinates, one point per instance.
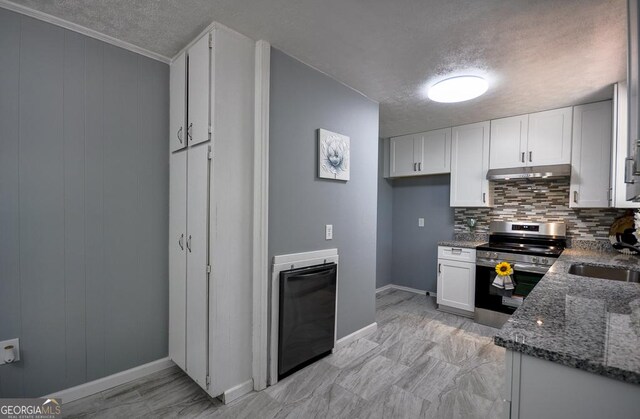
(198, 95)
(406, 153)
(549, 139)
(426, 153)
(469, 165)
(190, 96)
(620, 148)
(537, 139)
(509, 142)
(177, 104)
(591, 162)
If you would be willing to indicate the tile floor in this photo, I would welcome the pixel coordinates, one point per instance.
(420, 363)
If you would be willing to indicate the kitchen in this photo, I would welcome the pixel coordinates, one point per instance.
(320, 209)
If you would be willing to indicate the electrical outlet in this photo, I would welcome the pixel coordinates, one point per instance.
(328, 232)
(420, 222)
(9, 349)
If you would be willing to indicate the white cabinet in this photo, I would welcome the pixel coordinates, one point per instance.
(190, 94)
(620, 148)
(549, 139)
(537, 139)
(591, 151)
(177, 102)
(469, 165)
(456, 280)
(508, 142)
(406, 153)
(436, 152)
(211, 195)
(425, 153)
(198, 95)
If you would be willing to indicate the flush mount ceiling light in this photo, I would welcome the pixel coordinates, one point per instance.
(457, 89)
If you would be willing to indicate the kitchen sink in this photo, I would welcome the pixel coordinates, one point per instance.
(616, 274)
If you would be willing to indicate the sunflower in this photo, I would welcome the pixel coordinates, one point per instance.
(504, 269)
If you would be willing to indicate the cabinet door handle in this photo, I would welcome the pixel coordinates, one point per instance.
(575, 196)
(179, 135)
(484, 197)
(189, 243)
(439, 268)
(530, 156)
(415, 165)
(181, 242)
(190, 131)
(420, 167)
(522, 158)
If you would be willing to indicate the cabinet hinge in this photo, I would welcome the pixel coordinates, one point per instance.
(209, 154)
(210, 131)
(208, 269)
(210, 41)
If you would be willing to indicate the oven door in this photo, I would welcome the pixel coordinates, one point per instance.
(524, 276)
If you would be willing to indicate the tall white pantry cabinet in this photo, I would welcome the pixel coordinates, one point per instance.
(210, 209)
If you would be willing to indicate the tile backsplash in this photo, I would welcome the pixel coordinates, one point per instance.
(538, 201)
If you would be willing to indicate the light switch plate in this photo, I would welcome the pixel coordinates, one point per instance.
(420, 222)
(16, 350)
(328, 232)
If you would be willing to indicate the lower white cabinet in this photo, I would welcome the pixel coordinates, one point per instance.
(456, 280)
(469, 165)
(591, 151)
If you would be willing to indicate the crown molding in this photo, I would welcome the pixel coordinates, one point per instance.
(36, 14)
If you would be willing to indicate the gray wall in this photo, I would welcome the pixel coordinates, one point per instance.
(385, 223)
(300, 204)
(415, 248)
(83, 207)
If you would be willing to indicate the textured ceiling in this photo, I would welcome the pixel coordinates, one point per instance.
(536, 54)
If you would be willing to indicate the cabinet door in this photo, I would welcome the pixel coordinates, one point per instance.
(402, 161)
(549, 139)
(199, 77)
(177, 257)
(508, 145)
(197, 260)
(469, 165)
(436, 152)
(620, 148)
(591, 162)
(456, 284)
(177, 101)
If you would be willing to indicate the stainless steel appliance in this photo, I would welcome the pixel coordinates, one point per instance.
(531, 248)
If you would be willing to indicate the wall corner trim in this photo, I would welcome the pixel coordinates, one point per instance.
(238, 391)
(105, 383)
(358, 334)
(261, 216)
(54, 20)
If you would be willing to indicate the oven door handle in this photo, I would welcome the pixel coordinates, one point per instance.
(518, 267)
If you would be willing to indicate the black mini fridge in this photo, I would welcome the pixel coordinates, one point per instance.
(307, 316)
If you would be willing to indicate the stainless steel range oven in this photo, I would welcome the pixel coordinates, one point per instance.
(531, 248)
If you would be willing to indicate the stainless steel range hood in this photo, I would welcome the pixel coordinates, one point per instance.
(531, 172)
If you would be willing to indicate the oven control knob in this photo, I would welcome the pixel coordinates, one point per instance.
(545, 261)
(534, 259)
(494, 255)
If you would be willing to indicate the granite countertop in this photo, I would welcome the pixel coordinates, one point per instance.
(587, 323)
(461, 243)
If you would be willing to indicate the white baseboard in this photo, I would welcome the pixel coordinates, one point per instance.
(365, 331)
(238, 391)
(403, 288)
(105, 383)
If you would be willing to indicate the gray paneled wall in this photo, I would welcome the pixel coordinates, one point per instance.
(415, 249)
(300, 204)
(83, 207)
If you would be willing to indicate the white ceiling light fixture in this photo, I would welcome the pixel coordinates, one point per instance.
(458, 89)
